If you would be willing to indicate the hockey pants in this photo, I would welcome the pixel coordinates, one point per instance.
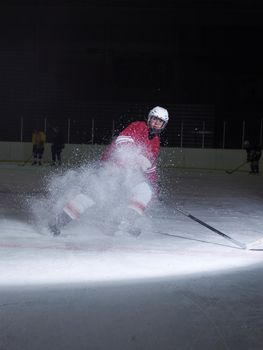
(141, 196)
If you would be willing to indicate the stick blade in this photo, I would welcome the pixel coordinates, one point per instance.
(256, 245)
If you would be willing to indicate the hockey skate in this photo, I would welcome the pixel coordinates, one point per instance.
(71, 211)
(128, 224)
(59, 222)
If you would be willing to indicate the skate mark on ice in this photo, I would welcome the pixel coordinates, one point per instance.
(197, 240)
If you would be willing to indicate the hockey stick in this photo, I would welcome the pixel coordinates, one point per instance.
(26, 161)
(238, 167)
(239, 244)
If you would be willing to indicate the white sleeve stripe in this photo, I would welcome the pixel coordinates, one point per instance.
(124, 141)
(151, 170)
(124, 137)
(121, 139)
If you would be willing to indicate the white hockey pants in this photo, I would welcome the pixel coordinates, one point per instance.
(78, 205)
(141, 196)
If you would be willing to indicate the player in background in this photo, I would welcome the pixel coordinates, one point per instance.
(38, 141)
(253, 156)
(134, 151)
(57, 145)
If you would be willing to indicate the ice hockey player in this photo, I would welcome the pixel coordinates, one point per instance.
(58, 143)
(253, 156)
(136, 147)
(38, 141)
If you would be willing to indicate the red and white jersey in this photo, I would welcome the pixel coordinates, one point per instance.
(136, 136)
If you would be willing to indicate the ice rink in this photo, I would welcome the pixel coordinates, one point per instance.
(178, 286)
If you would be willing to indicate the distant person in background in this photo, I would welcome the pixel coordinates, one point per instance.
(38, 141)
(58, 143)
(253, 156)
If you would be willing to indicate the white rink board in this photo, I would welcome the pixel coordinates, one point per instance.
(169, 156)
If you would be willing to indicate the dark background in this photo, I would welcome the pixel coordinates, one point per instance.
(105, 60)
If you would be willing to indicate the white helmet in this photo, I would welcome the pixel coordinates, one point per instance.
(160, 113)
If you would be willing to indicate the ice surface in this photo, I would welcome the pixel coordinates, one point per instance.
(38, 268)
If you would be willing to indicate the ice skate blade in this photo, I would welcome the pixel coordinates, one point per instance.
(120, 233)
(128, 233)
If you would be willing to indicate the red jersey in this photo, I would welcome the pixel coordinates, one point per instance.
(136, 135)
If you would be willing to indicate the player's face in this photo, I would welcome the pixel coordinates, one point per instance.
(156, 123)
